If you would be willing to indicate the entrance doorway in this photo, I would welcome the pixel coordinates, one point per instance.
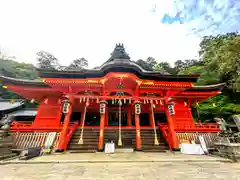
(92, 119)
(160, 118)
(113, 118)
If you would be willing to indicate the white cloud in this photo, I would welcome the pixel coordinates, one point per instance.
(91, 28)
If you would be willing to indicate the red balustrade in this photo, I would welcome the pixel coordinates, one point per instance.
(198, 127)
(166, 134)
(23, 127)
(188, 128)
(69, 135)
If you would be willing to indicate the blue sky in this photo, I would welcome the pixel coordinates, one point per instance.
(165, 29)
(203, 17)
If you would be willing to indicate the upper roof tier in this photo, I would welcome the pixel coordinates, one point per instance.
(118, 62)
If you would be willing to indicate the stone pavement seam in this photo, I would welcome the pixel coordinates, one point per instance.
(113, 161)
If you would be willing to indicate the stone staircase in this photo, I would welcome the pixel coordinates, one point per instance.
(90, 141)
(128, 135)
(147, 137)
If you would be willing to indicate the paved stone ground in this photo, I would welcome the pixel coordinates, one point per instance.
(122, 171)
(124, 157)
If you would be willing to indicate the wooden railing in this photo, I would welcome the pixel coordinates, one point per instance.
(186, 132)
(166, 134)
(209, 138)
(198, 127)
(32, 139)
(69, 135)
(28, 136)
(23, 127)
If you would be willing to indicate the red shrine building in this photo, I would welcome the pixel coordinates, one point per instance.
(118, 102)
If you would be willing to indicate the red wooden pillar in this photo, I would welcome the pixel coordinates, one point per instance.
(106, 117)
(64, 132)
(171, 127)
(137, 123)
(102, 124)
(129, 116)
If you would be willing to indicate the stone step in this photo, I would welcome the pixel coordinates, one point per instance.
(124, 150)
(73, 140)
(154, 150)
(85, 147)
(83, 151)
(6, 156)
(86, 136)
(86, 133)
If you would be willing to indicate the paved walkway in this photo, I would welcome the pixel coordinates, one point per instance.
(122, 171)
(121, 166)
(119, 157)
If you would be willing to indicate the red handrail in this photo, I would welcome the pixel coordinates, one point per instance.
(69, 135)
(166, 134)
(23, 127)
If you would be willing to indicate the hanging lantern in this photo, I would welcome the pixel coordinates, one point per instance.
(102, 108)
(33, 100)
(214, 104)
(83, 99)
(80, 100)
(65, 108)
(151, 101)
(171, 109)
(130, 101)
(144, 101)
(124, 100)
(137, 108)
(112, 101)
(97, 100)
(197, 104)
(156, 101)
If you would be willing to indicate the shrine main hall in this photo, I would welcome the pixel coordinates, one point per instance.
(82, 109)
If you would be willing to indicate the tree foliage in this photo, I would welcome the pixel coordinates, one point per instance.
(10, 68)
(47, 61)
(221, 53)
(144, 65)
(80, 63)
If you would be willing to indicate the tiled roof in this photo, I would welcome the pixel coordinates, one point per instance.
(6, 104)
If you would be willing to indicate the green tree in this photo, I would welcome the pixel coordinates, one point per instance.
(221, 53)
(207, 77)
(80, 63)
(151, 62)
(47, 61)
(167, 67)
(144, 65)
(10, 68)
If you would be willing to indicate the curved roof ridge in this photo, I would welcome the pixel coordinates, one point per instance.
(36, 82)
(19, 79)
(212, 85)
